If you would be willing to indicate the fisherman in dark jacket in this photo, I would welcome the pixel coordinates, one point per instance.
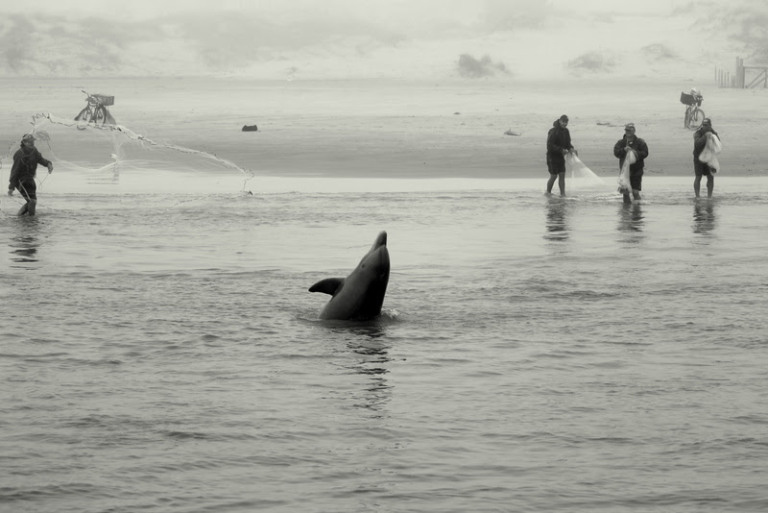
(25, 162)
(631, 142)
(558, 146)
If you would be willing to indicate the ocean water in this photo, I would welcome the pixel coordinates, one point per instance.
(160, 351)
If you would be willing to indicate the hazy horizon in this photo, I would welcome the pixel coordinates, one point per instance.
(308, 39)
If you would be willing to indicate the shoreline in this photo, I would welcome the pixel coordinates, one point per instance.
(181, 183)
(390, 129)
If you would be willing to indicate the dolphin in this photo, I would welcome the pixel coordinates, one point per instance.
(359, 296)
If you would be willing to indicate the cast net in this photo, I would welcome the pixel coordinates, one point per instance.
(92, 154)
(581, 176)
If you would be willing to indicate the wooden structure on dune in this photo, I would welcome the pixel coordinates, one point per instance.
(744, 77)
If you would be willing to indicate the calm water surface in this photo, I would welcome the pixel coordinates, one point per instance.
(160, 352)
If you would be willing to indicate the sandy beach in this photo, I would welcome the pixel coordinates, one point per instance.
(394, 129)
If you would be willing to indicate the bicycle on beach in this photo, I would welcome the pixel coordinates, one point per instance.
(96, 109)
(694, 115)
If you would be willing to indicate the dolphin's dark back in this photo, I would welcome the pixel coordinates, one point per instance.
(361, 296)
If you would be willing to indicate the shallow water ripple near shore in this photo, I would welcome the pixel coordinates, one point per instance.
(161, 352)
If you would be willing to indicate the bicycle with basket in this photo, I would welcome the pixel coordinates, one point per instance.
(96, 109)
(694, 115)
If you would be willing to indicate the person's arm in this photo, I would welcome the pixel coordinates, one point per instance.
(552, 146)
(642, 150)
(699, 140)
(43, 161)
(569, 145)
(13, 180)
(619, 149)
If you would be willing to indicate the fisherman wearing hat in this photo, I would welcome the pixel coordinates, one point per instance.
(631, 142)
(25, 162)
(702, 168)
(558, 146)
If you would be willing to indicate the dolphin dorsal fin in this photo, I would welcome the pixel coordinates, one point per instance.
(327, 286)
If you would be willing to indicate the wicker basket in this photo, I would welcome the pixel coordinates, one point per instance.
(689, 99)
(104, 100)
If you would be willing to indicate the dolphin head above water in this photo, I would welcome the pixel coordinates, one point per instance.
(360, 295)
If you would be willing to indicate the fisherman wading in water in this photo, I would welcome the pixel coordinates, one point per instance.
(25, 162)
(558, 146)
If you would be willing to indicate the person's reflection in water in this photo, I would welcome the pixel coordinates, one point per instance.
(631, 220)
(25, 242)
(557, 221)
(703, 216)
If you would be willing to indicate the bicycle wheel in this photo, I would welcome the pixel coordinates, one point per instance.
(99, 116)
(84, 115)
(697, 116)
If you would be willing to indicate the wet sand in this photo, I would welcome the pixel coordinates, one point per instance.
(399, 129)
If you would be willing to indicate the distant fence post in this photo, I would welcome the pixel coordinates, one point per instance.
(739, 79)
(740, 73)
(723, 78)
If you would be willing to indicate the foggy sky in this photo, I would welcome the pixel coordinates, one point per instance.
(148, 9)
(331, 38)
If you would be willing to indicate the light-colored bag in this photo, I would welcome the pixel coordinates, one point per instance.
(625, 186)
(712, 148)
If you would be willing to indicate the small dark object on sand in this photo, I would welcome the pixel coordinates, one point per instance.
(250, 128)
